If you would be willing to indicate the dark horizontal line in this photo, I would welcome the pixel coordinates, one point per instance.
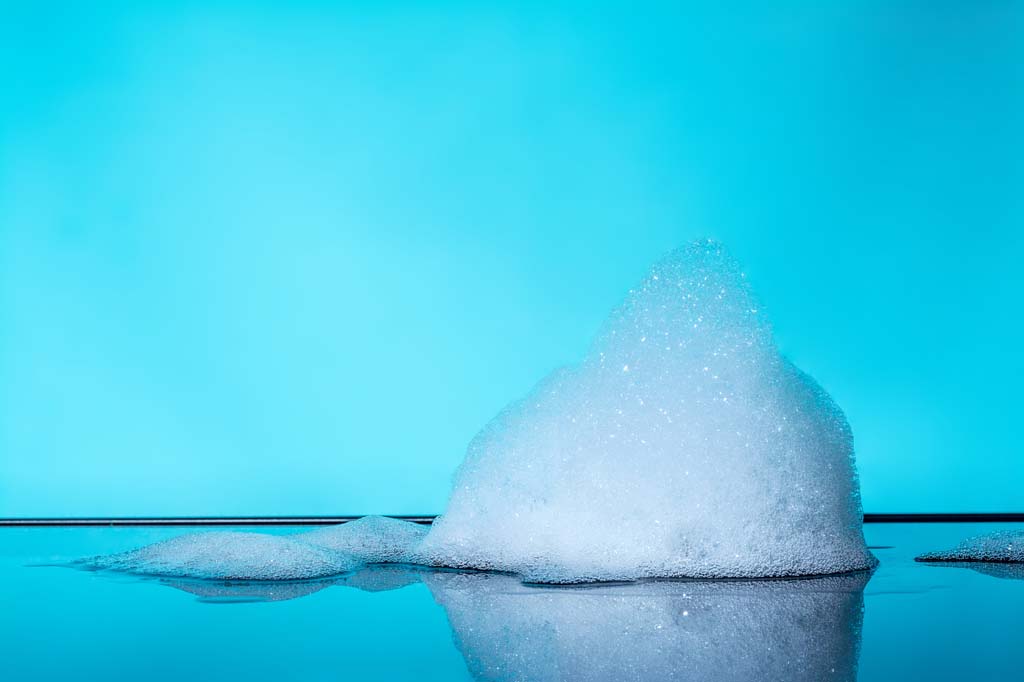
(423, 519)
(944, 518)
(202, 521)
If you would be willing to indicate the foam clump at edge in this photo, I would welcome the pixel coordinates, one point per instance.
(1000, 547)
(229, 555)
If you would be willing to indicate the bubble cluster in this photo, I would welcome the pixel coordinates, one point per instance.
(224, 555)
(371, 539)
(1001, 547)
(228, 555)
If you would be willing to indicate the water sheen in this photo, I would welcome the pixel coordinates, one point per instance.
(919, 621)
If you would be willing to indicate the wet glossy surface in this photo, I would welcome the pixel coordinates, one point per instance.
(919, 621)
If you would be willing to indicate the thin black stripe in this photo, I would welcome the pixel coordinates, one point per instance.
(944, 518)
(200, 521)
(423, 519)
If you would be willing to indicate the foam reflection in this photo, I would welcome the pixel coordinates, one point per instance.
(791, 630)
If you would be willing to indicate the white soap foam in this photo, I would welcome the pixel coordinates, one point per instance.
(221, 555)
(229, 555)
(1001, 547)
(371, 539)
(684, 444)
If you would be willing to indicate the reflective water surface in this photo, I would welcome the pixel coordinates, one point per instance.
(904, 621)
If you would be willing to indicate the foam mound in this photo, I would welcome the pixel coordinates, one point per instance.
(793, 630)
(227, 555)
(371, 539)
(221, 555)
(1001, 547)
(684, 445)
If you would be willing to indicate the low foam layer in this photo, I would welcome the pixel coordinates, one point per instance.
(1002, 547)
(227, 555)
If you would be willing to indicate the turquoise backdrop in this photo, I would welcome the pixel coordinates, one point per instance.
(287, 258)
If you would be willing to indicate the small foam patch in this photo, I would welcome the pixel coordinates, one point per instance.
(228, 555)
(1001, 547)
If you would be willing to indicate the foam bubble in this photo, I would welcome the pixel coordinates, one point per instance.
(228, 555)
(1001, 547)
(684, 444)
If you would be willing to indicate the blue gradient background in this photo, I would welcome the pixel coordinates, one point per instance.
(287, 258)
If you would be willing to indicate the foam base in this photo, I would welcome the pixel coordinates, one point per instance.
(227, 555)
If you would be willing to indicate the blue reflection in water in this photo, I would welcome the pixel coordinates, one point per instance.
(770, 630)
(806, 629)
